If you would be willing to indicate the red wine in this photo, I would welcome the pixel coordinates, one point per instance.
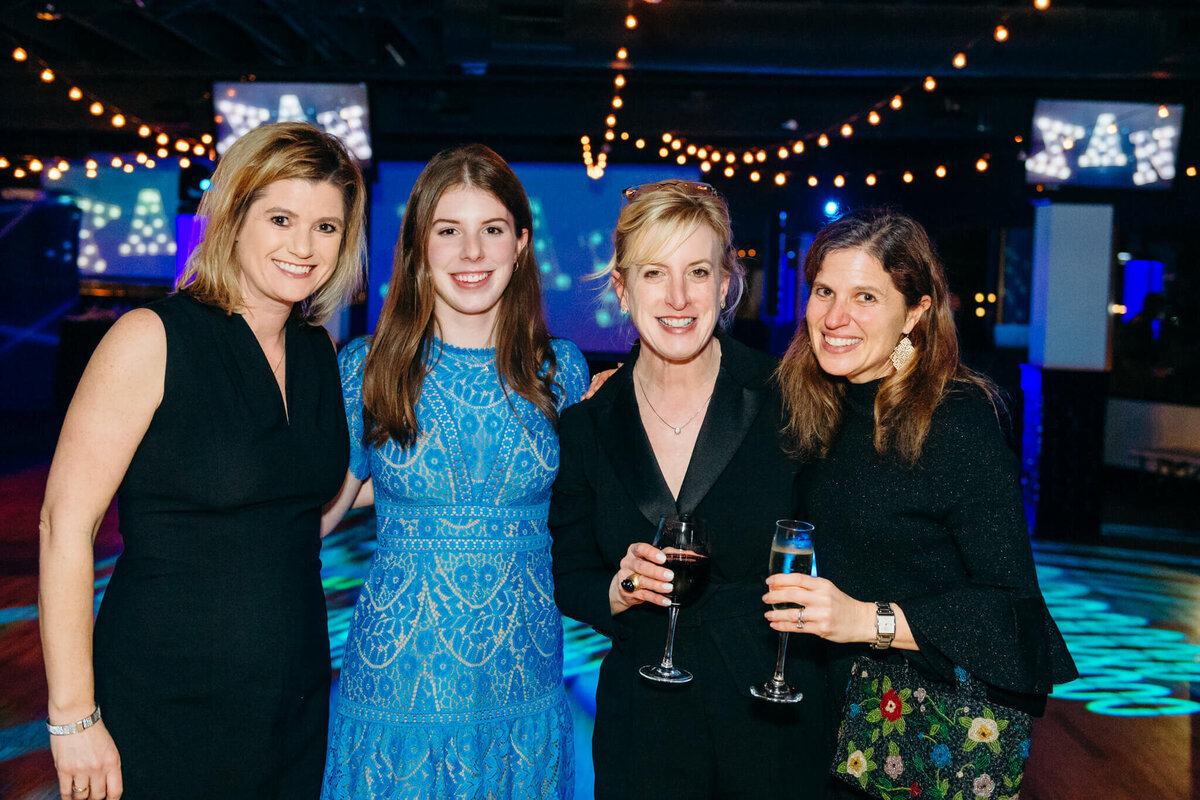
(691, 576)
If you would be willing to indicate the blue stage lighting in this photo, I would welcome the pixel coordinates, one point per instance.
(831, 208)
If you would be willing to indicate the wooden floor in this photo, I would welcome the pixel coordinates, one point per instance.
(1129, 729)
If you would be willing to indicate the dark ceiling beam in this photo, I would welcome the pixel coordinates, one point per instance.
(255, 28)
(300, 20)
(417, 26)
(206, 34)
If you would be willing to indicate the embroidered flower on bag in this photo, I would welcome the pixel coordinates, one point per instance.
(855, 710)
(891, 706)
(961, 674)
(914, 790)
(940, 756)
(894, 767)
(984, 786)
(983, 730)
(856, 765)
(920, 694)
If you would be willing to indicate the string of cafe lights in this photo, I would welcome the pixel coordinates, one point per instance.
(753, 161)
(160, 145)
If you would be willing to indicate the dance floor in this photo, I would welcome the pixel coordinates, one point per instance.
(1129, 728)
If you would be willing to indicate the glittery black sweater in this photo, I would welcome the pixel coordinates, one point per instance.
(945, 540)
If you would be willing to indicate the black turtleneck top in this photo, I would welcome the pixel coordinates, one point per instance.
(946, 540)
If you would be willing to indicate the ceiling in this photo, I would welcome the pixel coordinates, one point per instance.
(531, 76)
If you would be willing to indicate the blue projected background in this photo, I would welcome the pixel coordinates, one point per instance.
(573, 219)
(126, 229)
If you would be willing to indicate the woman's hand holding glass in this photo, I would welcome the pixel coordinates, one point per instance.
(828, 611)
(641, 569)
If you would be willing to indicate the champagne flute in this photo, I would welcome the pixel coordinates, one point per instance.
(684, 542)
(791, 554)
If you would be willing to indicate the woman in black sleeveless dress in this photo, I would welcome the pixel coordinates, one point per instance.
(218, 412)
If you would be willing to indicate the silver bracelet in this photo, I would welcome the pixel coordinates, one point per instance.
(74, 727)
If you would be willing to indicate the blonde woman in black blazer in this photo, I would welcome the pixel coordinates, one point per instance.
(690, 424)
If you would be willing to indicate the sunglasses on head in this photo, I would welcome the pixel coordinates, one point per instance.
(691, 187)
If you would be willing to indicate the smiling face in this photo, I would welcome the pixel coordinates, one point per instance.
(856, 316)
(675, 298)
(473, 245)
(288, 244)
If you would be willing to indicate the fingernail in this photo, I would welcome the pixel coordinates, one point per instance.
(668, 588)
(668, 575)
(660, 558)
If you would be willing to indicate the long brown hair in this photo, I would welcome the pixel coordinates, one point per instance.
(907, 398)
(395, 368)
(276, 152)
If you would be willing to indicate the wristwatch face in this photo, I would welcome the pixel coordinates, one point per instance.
(885, 623)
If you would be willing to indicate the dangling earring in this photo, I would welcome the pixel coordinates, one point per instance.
(722, 303)
(903, 353)
(516, 264)
(624, 309)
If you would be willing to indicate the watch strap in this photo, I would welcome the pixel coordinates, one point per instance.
(885, 625)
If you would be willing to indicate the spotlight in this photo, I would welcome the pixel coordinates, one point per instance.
(19, 54)
(47, 75)
(75, 93)
(960, 60)
(930, 83)
(1000, 34)
(831, 208)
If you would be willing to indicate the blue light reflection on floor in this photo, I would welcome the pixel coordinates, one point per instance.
(1128, 666)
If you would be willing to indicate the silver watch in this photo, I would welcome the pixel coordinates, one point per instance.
(885, 625)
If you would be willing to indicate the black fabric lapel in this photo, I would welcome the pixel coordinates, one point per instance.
(730, 415)
(619, 427)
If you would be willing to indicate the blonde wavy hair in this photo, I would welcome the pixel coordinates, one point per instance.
(669, 212)
(276, 152)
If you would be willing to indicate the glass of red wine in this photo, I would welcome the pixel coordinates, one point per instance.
(791, 553)
(685, 543)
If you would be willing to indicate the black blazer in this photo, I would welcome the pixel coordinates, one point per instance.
(610, 491)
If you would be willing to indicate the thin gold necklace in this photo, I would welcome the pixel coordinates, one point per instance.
(677, 428)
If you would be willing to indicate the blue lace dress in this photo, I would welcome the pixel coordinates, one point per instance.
(452, 685)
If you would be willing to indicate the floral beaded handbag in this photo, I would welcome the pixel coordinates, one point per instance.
(905, 736)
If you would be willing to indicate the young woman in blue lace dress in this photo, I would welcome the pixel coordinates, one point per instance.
(451, 686)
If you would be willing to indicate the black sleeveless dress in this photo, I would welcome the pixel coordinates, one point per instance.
(211, 648)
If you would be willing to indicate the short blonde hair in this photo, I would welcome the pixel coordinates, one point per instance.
(276, 152)
(668, 213)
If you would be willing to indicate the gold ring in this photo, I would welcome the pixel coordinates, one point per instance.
(800, 617)
(80, 789)
(636, 580)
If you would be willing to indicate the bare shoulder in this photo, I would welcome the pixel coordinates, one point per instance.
(129, 363)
